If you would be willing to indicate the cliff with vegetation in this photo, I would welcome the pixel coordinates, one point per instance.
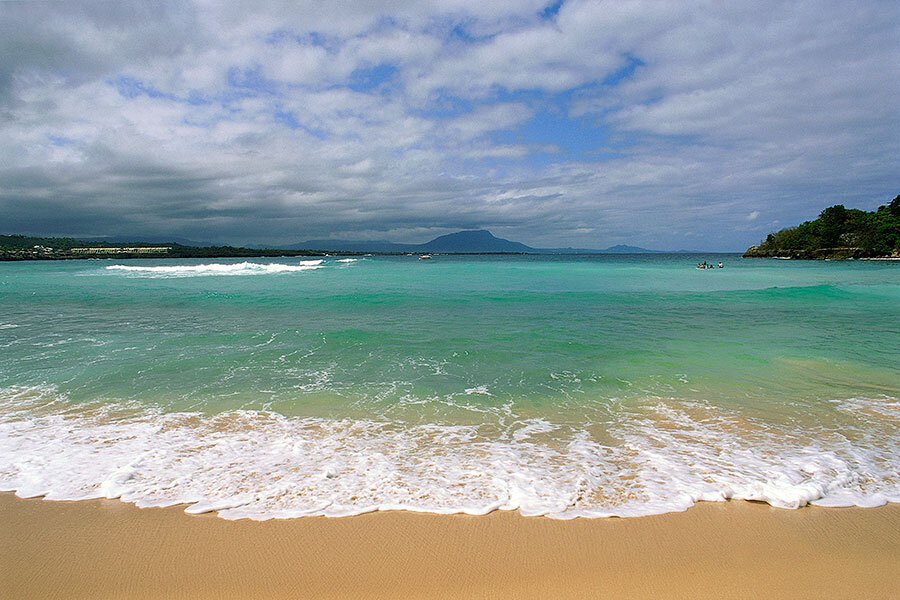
(838, 233)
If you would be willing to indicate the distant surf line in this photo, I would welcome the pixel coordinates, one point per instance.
(207, 269)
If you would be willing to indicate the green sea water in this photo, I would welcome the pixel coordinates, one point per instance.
(559, 385)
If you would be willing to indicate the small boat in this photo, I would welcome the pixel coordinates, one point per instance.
(424, 257)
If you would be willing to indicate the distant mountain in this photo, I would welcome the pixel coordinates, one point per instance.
(462, 241)
(479, 240)
(623, 249)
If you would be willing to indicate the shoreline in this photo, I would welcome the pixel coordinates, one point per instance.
(111, 549)
(332, 253)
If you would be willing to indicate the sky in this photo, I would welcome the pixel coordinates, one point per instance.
(667, 125)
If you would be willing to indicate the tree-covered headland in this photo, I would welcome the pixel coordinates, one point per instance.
(838, 233)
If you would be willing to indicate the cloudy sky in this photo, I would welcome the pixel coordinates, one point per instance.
(668, 125)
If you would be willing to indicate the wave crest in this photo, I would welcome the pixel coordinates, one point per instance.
(242, 268)
(260, 465)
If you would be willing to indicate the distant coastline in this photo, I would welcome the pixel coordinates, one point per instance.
(21, 247)
(837, 234)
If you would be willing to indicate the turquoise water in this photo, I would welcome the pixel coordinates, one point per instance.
(566, 386)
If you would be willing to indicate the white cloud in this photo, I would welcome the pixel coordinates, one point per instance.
(489, 118)
(774, 108)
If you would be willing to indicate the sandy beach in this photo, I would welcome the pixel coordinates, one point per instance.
(109, 549)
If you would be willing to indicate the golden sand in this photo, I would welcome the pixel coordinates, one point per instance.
(108, 549)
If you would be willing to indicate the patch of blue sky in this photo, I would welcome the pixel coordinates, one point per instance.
(131, 87)
(206, 119)
(387, 23)
(460, 32)
(197, 98)
(446, 106)
(59, 140)
(308, 38)
(367, 79)
(554, 137)
(244, 83)
(551, 10)
(289, 120)
(455, 31)
(251, 81)
(571, 138)
(286, 118)
(632, 63)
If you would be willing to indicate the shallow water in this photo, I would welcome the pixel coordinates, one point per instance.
(567, 386)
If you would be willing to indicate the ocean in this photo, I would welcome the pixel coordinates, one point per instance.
(565, 386)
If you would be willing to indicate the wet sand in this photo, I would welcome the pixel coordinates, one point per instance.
(109, 549)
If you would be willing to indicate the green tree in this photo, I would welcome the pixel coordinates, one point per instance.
(894, 207)
(875, 233)
(832, 221)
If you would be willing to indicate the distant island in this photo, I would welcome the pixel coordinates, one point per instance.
(22, 247)
(838, 233)
(462, 242)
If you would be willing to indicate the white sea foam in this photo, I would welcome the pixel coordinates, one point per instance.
(881, 407)
(481, 389)
(347, 260)
(242, 268)
(663, 457)
(8, 325)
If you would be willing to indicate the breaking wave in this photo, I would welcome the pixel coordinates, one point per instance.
(662, 457)
(242, 268)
